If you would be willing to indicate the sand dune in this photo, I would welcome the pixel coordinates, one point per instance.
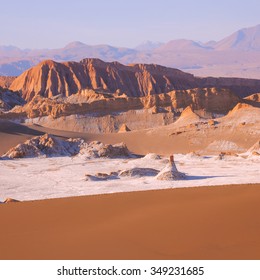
(141, 141)
(194, 223)
(179, 137)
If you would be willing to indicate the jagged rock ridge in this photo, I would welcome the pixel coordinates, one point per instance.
(51, 78)
(209, 99)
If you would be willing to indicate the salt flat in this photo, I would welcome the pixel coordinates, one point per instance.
(42, 178)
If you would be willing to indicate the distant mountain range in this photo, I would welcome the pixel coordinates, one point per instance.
(237, 55)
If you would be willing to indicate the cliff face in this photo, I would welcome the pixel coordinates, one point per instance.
(241, 87)
(50, 78)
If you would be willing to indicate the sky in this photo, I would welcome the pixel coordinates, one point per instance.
(55, 23)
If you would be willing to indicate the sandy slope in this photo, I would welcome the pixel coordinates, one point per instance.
(194, 223)
(239, 128)
(137, 141)
(165, 140)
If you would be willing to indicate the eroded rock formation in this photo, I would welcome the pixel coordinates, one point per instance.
(49, 146)
(45, 145)
(209, 99)
(50, 78)
(170, 172)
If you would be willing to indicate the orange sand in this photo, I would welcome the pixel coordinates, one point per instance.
(194, 223)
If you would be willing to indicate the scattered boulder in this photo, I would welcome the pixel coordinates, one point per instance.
(138, 172)
(102, 176)
(95, 178)
(223, 155)
(97, 149)
(152, 156)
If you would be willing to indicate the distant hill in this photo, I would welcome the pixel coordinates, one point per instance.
(247, 39)
(237, 55)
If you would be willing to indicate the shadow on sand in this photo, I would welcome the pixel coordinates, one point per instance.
(203, 177)
(16, 129)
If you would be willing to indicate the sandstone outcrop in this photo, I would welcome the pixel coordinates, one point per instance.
(209, 99)
(243, 115)
(238, 107)
(254, 97)
(253, 100)
(124, 128)
(50, 78)
(188, 116)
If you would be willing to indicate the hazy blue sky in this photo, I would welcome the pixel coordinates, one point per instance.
(54, 23)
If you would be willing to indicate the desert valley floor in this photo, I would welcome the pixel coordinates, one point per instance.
(179, 222)
(31, 179)
(112, 161)
(61, 176)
